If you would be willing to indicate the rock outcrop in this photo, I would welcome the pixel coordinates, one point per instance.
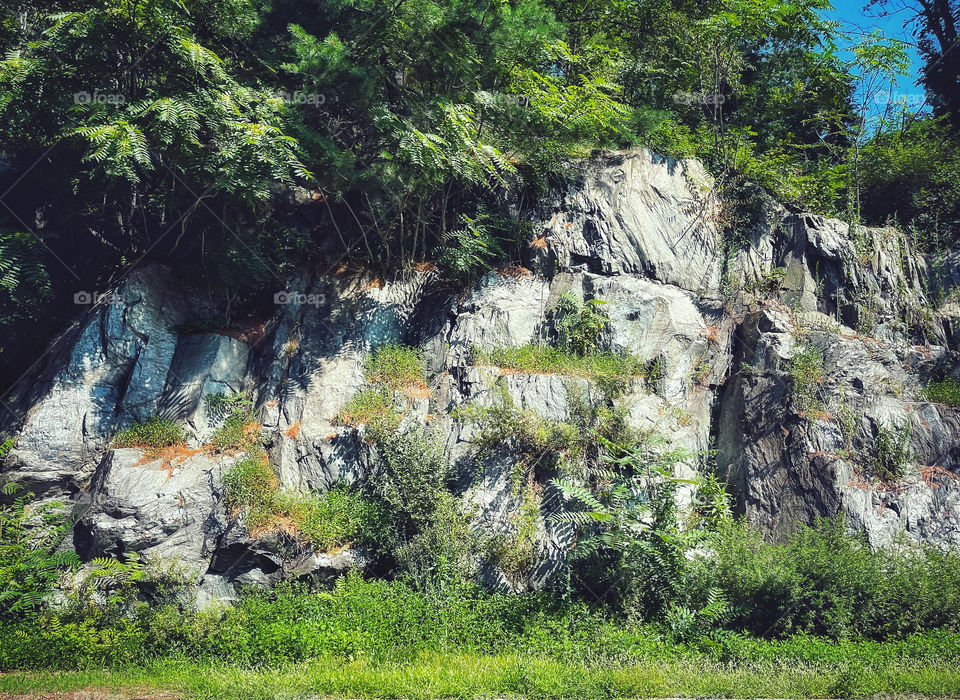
(635, 230)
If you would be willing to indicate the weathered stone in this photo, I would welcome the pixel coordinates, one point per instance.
(171, 507)
(635, 213)
(632, 229)
(790, 468)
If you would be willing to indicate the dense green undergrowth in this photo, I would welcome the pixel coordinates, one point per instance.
(821, 597)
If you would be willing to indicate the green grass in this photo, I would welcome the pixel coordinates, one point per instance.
(240, 431)
(324, 521)
(373, 407)
(396, 366)
(807, 374)
(471, 676)
(946, 391)
(612, 372)
(154, 433)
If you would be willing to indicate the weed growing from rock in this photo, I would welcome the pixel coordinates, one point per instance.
(154, 433)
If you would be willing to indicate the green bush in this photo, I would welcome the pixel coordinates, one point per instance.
(30, 565)
(946, 391)
(329, 520)
(579, 325)
(251, 485)
(892, 450)
(806, 375)
(412, 477)
(154, 433)
(823, 581)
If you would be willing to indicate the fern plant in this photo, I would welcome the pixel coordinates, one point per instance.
(30, 566)
(579, 325)
(630, 526)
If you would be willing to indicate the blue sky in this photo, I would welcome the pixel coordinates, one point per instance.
(854, 18)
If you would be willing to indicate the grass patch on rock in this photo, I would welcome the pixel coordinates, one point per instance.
(154, 434)
(325, 522)
(945, 392)
(399, 368)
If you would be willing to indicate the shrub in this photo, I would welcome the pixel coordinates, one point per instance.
(806, 376)
(892, 450)
(824, 581)
(528, 432)
(514, 552)
(251, 485)
(411, 476)
(578, 325)
(154, 433)
(30, 564)
(946, 391)
(329, 520)
(631, 544)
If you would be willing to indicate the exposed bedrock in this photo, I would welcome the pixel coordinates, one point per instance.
(723, 315)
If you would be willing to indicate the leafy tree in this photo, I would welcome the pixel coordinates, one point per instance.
(935, 23)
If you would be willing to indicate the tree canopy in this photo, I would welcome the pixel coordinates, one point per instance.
(178, 128)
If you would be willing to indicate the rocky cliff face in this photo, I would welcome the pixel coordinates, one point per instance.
(730, 319)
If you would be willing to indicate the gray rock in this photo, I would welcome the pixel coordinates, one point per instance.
(635, 213)
(790, 469)
(203, 364)
(633, 229)
(170, 508)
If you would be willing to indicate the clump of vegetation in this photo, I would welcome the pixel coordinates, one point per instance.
(631, 528)
(806, 377)
(612, 372)
(576, 351)
(514, 551)
(31, 562)
(770, 283)
(323, 522)
(391, 367)
(154, 433)
(578, 325)
(427, 532)
(372, 407)
(946, 391)
(527, 432)
(892, 447)
(251, 485)
(398, 367)
(240, 430)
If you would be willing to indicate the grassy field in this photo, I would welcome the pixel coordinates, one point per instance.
(471, 676)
